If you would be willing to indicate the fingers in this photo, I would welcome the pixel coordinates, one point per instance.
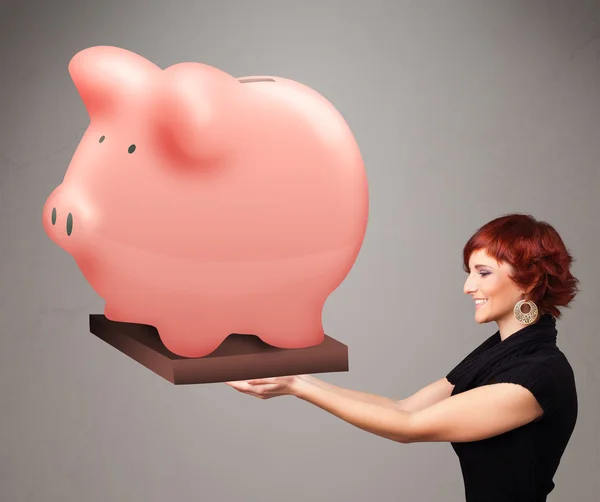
(244, 388)
(281, 380)
(235, 385)
(255, 381)
(263, 381)
(261, 391)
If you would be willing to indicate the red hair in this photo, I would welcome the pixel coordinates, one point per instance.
(537, 254)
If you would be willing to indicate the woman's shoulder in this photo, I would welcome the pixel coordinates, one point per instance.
(549, 369)
(558, 366)
(554, 361)
(551, 363)
(548, 375)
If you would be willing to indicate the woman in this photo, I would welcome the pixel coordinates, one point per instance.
(510, 407)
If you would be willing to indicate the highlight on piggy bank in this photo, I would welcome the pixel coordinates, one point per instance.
(205, 205)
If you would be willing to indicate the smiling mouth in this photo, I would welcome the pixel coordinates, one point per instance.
(479, 303)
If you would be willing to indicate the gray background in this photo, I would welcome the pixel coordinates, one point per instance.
(463, 111)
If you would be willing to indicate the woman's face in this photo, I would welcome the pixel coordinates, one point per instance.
(491, 287)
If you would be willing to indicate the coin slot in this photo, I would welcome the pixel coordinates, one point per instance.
(251, 80)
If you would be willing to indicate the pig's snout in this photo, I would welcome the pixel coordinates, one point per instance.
(63, 220)
(69, 222)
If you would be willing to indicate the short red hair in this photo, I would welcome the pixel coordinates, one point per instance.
(537, 254)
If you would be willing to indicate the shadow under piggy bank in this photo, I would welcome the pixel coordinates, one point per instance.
(239, 357)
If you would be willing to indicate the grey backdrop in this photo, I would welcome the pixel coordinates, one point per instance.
(463, 111)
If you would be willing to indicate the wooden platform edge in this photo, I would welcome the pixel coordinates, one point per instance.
(142, 344)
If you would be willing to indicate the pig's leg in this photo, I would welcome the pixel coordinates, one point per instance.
(123, 315)
(191, 337)
(114, 314)
(292, 324)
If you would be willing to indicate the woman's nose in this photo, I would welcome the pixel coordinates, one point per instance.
(469, 287)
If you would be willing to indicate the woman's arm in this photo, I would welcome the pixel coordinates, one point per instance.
(364, 397)
(474, 415)
(423, 398)
(428, 396)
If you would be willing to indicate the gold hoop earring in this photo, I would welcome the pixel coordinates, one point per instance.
(526, 318)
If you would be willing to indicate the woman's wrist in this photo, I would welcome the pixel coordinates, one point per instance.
(300, 383)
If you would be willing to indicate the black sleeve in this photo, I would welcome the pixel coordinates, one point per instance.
(538, 378)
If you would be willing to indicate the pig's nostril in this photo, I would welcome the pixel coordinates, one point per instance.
(54, 216)
(69, 224)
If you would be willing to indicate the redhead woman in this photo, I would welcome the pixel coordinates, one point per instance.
(509, 407)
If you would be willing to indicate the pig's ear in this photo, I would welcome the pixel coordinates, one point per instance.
(106, 75)
(196, 112)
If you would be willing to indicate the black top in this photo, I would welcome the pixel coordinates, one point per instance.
(519, 465)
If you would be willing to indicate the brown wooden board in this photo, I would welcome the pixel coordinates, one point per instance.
(239, 357)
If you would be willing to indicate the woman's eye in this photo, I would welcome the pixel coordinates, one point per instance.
(483, 274)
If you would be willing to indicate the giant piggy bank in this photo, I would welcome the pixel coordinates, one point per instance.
(205, 205)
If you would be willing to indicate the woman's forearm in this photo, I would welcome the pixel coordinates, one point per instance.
(354, 394)
(385, 421)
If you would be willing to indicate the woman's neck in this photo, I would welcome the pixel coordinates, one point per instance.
(510, 325)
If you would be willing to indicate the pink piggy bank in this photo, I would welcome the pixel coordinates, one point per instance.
(205, 205)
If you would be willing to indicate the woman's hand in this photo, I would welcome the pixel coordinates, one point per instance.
(266, 388)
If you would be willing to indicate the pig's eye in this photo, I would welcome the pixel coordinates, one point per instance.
(131, 149)
(102, 138)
